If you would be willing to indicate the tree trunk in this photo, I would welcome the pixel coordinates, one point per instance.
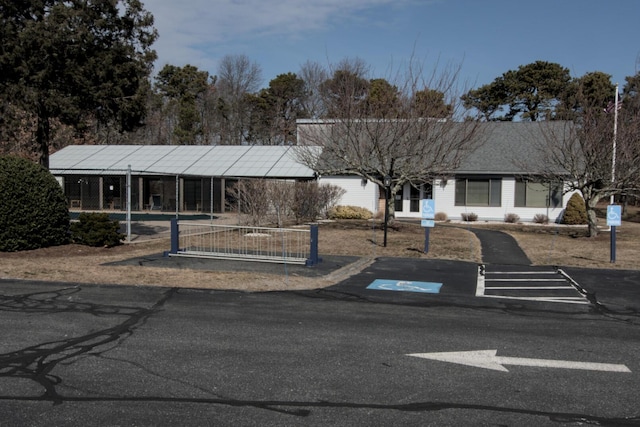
(392, 205)
(43, 135)
(592, 219)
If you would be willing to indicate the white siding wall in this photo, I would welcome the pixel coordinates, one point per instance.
(444, 198)
(366, 196)
(444, 195)
(357, 194)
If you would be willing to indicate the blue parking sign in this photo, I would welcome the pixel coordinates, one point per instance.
(614, 215)
(428, 209)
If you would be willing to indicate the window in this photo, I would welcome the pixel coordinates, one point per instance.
(398, 202)
(193, 194)
(538, 194)
(478, 192)
(414, 199)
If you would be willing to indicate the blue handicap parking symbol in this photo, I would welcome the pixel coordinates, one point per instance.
(405, 286)
(428, 209)
(614, 215)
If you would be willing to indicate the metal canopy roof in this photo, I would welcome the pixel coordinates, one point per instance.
(184, 160)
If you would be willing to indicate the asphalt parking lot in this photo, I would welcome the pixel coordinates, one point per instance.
(77, 354)
(615, 291)
(365, 351)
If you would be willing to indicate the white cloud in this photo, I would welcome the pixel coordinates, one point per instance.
(189, 29)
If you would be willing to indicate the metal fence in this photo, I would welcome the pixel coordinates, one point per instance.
(246, 243)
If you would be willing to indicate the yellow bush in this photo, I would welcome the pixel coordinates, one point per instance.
(441, 216)
(350, 212)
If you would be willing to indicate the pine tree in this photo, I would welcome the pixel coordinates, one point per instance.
(71, 61)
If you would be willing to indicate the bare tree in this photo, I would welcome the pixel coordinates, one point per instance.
(311, 201)
(630, 119)
(280, 194)
(237, 77)
(266, 201)
(401, 143)
(581, 153)
(313, 74)
(211, 116)
(252, 196)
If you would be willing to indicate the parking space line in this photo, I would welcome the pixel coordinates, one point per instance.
(481, 281)
(525, 280)
(567, 300)
(523, 272)
(529, 285)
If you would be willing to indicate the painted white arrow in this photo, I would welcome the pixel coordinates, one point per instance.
(487, 359)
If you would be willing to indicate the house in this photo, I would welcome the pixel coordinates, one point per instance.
(500, 177)
(166, 178)
(496, 179)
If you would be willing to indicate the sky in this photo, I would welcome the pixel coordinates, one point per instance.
(485, 38)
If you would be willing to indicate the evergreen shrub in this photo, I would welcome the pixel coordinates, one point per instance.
(96, 229)
(576, 211)
(33, 208)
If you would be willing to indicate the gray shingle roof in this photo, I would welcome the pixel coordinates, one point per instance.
(502, 148)
(510, 148)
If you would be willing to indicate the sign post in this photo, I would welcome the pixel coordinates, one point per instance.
(614, 219)
(428, 215)
(387, 184)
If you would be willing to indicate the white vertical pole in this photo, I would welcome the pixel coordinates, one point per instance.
(129, 204)
(211, 201)
(613, 174)
(615, 135)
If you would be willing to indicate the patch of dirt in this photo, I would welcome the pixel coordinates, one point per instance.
(71, 250)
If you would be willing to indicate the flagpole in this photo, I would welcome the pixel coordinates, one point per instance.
(612, 235)
(615, 134)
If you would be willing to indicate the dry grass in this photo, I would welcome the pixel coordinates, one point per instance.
(406, 240)
(549, 244)
(554, 244)
(82, 264)
(560, 247)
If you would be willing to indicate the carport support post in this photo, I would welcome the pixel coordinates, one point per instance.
(129, 203)
(174, 236)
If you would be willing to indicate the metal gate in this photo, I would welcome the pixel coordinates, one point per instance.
(245, 243)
